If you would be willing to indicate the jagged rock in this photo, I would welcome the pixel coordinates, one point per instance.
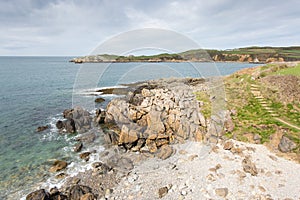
(151, 145)
(249, 166)
(222, 192)
(85, 156)
(127, 135)
(99, 100)
(154, 122)
(165, 152)
(78, 146)
(286, 145)
(75, 192)
(58, 165)
(59, 124)
(139, 145)
(70, 125)
(38, 195)
(41, 128)
(88, 196)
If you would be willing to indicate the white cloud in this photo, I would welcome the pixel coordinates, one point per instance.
(73, 27)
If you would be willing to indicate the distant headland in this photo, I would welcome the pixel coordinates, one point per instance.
(246, 54)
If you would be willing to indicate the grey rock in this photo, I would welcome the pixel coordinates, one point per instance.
(286, 145)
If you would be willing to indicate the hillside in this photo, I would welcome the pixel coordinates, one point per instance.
(266, 103)
(249, 54)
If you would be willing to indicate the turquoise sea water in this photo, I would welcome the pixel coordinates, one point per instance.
(35, 91)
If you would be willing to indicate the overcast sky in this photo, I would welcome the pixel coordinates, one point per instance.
(76, 27)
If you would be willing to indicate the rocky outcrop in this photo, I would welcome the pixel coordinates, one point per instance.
(286, 145)
(58, 165)
(74, 192)
(158, 113)
(76, 120)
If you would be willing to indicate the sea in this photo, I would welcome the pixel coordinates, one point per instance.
(36, 90)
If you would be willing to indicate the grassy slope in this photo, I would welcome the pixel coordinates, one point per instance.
(251, 117)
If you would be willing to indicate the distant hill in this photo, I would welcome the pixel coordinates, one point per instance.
(247, 54)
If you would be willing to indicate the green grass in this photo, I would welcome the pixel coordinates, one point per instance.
(289, 71)
(206, 108)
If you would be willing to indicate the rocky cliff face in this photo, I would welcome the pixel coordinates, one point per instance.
(157, 114)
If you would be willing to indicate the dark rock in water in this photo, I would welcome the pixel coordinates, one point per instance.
(78, 147)
(99, 100)
(99, 117)
(75, 192)
(70, 126)
(286, 145)
(38, 195)
(85, 156)
(41, 128)
(58, 165)
(68, 113)
(59, 124)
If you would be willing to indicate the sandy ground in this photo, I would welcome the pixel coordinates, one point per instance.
(197, 171)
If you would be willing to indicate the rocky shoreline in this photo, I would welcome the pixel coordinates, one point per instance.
(156, 129)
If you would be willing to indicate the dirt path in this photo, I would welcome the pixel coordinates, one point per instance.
(266, 105)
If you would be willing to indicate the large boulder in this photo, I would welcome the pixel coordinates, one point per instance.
(75, 192)
(38, 195)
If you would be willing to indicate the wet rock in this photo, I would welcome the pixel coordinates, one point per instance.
(41, 128)
(59, 124)
(70, 126)
(249, 166)
(85, 156)
(58, 165)
(75, 192)
(99, 100)
(165, 152)
(221, 192)
(38, 195)
(78, 146)
(286, 145)
(61, 175)
(162, 192)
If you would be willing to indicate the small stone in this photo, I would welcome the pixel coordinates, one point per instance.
(192, 157)
(183, 192)
(273, 157)
(162, 192)
(261, 188)
(210, 177)
(183, 152)
(249, 166)
(228, 145)
(222, 192)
